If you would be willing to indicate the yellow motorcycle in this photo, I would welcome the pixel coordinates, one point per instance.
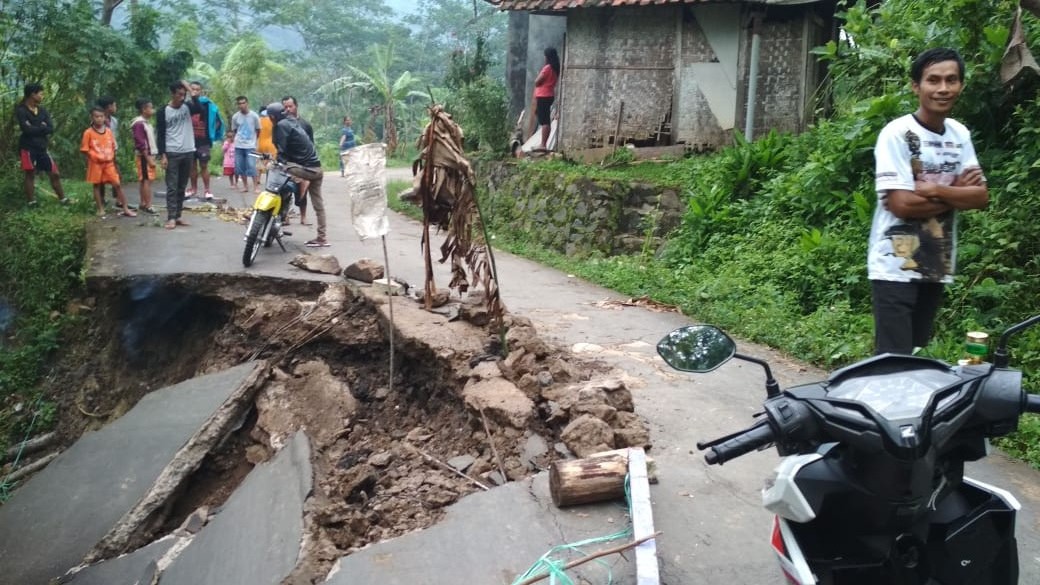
(269, 210)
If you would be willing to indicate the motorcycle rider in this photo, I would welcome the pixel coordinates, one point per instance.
(295, 147)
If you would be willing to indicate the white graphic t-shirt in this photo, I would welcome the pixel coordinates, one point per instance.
(916, 250)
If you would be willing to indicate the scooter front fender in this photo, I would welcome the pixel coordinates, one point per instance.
(267, 201)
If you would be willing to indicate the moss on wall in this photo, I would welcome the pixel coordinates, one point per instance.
(575, 214)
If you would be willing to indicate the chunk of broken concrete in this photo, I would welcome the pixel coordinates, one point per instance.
(387, 287)
(438, 299)
(323, 263)
(485, 370)
(365, 270)
(536, 452)
(500, 400)
(461, 462)
(630, 430)
(587, 434)
(475, 314)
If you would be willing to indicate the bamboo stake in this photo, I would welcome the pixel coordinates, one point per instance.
(494, 451)
(440, 463)
(390, 306)
(592, 557)
(427, 203)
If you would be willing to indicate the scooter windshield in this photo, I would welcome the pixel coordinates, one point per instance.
(895, 395)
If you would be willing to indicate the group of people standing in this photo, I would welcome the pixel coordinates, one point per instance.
(181, 142)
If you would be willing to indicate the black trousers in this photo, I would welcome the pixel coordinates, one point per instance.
(904, 314)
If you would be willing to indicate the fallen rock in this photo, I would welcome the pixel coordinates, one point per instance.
(485, 370)
(566, 396)
(438, 299)
(500, 400)
(461, 462)
(475, 314)
(545, 378)
(494, 477)
(586, 435)
(527, 337)
(593, 401)
(555, 413)
(194, 523)
(529, 385)
(630, 430)
(418, 435)
(536, 452)
(330, 405)
(381, 459)
(618, 395)
(365, 270)
(384, 286)
(564, 371)
(324, 263)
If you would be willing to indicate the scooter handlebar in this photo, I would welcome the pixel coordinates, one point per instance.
(1033, 403)
(754, 438)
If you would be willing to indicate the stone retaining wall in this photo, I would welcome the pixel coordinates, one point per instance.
(578, 216)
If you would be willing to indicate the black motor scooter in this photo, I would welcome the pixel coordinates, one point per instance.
(871, 490)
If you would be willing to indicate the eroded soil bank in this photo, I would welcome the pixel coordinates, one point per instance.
(467, 409)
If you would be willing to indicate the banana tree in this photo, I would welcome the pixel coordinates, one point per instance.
(378, 84)
(247, 65)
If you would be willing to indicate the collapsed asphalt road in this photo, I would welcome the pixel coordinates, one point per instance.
(714, 529)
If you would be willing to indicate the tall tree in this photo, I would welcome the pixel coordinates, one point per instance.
(331, 28)
(248, 64)
(387, 92)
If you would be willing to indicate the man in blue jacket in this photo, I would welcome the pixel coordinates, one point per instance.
(209, 128)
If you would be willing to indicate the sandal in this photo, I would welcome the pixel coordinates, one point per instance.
(317, 243)
(170, 224)
(180, 221)
(149, 210)
(127, 213)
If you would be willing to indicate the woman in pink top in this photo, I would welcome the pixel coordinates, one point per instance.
(545, 91)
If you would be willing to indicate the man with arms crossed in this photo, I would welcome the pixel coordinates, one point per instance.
(926, 170)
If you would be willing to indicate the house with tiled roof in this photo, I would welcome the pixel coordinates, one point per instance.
(658, 72)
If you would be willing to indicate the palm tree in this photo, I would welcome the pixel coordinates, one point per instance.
(246, 65)
(377, 83)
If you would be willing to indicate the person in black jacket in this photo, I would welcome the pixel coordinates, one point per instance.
(296, 147)
(36, 126)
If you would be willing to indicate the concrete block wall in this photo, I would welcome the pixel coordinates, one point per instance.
(614, 55)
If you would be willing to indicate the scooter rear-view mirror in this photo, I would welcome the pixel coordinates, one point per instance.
(696, 348)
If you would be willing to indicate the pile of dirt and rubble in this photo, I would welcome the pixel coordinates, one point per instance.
(389, 455)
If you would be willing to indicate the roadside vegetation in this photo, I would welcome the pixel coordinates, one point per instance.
(773, 244)
(80, 50)
(40, 273)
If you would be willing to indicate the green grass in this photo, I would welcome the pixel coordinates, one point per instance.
(40, 270)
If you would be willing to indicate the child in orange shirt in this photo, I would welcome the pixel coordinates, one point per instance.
(99, 146)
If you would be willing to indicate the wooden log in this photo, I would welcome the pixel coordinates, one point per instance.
(31, 446)
(596, 478)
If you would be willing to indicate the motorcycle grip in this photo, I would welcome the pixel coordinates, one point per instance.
(1033, 403)
(753, 438)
